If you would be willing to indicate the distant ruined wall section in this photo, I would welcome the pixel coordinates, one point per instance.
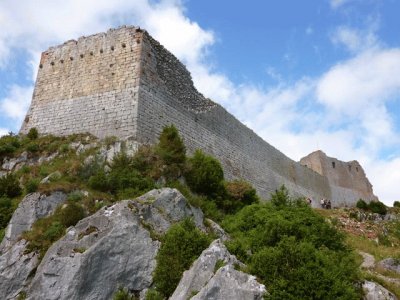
(347, 179)
(88, 85)
(125, 83)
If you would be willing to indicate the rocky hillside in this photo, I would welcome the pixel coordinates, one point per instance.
(87, 219)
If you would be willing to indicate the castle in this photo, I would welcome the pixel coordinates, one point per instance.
(124, 83)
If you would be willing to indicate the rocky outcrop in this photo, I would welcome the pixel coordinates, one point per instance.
(213, 276)
(33, 207)
(16, 266)
(112, 248)
(374, 291)
(390, 264)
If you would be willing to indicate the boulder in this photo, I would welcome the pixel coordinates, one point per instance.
(112, 248)
(390, 264)
(231, 284)
(33, 207)
(213, 276)
(16, 268)
(374, 291)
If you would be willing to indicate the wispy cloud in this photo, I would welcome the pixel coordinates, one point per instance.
(337, 3)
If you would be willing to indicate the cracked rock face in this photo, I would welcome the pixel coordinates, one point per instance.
(224, 283)
(374, 291)
(33, 207)
(390, 264)
(15, 266)
(109, 249)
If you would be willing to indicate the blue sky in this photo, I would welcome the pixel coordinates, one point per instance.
(304, 75)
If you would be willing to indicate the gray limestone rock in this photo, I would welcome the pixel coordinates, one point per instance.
(218, 230)
(109, 249)
(15, 269)
(167, 206)
(228, 283)
(202, 270)
(374, 291)
(33, 207)
(390, 264)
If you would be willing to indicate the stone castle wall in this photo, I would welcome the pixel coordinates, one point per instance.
(88, 85)
(124, 83)
(206, 125)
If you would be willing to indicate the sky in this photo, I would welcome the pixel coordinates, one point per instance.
(304, 75)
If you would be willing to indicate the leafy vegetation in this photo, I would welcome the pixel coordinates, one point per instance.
(374, 206)
(293, 250)
(123, 294)
(181, 245)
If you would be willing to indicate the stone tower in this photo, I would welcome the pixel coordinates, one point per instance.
(124, 83)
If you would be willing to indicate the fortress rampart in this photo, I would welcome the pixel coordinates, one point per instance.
(124, 83)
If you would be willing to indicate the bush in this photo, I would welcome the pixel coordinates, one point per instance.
(280, 197)
(205, 175)
(123, 294)
(99, 182)
(239, 194)
(172, 152)
(153, 295)
(9, 186)
(361, 204)
(396, 204)
(32, 185)
(377, 207)
(71, 214)
(6, 211)
(33, 133)
(9, 144)
(293, 251)
(181, 245)
(32, 147)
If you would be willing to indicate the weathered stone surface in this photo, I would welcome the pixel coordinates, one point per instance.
(221, 234)
(109, 249)
(33, 207)
(15, 269)
(202, 270)
(374, 291)
(390, 264)
(347, 179)
(228, 283)
(124, 83)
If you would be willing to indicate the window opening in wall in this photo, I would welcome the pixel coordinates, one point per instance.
(357, 169)
(349, 168)
(333, 164)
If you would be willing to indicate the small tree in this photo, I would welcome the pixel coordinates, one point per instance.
(205, 175)
(396, 204)
(361, 204)
(9, 186)
(172, 152)
(239, 194)
(33, 133)
(280, 197)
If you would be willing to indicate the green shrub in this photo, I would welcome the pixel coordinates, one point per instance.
(99, 181)
(361, 204)
(377, 207)
(123, 294)
(33, 133)
(70, 214)
(239, 194)
(181, 245)
(32, 185)
(75, 196)
(172, 152)
(147, 162)
(153, 295)
(293, 251)
(6, 211)
(396, 204)
(9, 186)
(204, 175)
(9, 144)
(32, 147)
(280, 197)
(2, 234)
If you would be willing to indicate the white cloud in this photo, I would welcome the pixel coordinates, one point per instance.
(337, 3)
(16, 103)
(3, 131)
(356, 40)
